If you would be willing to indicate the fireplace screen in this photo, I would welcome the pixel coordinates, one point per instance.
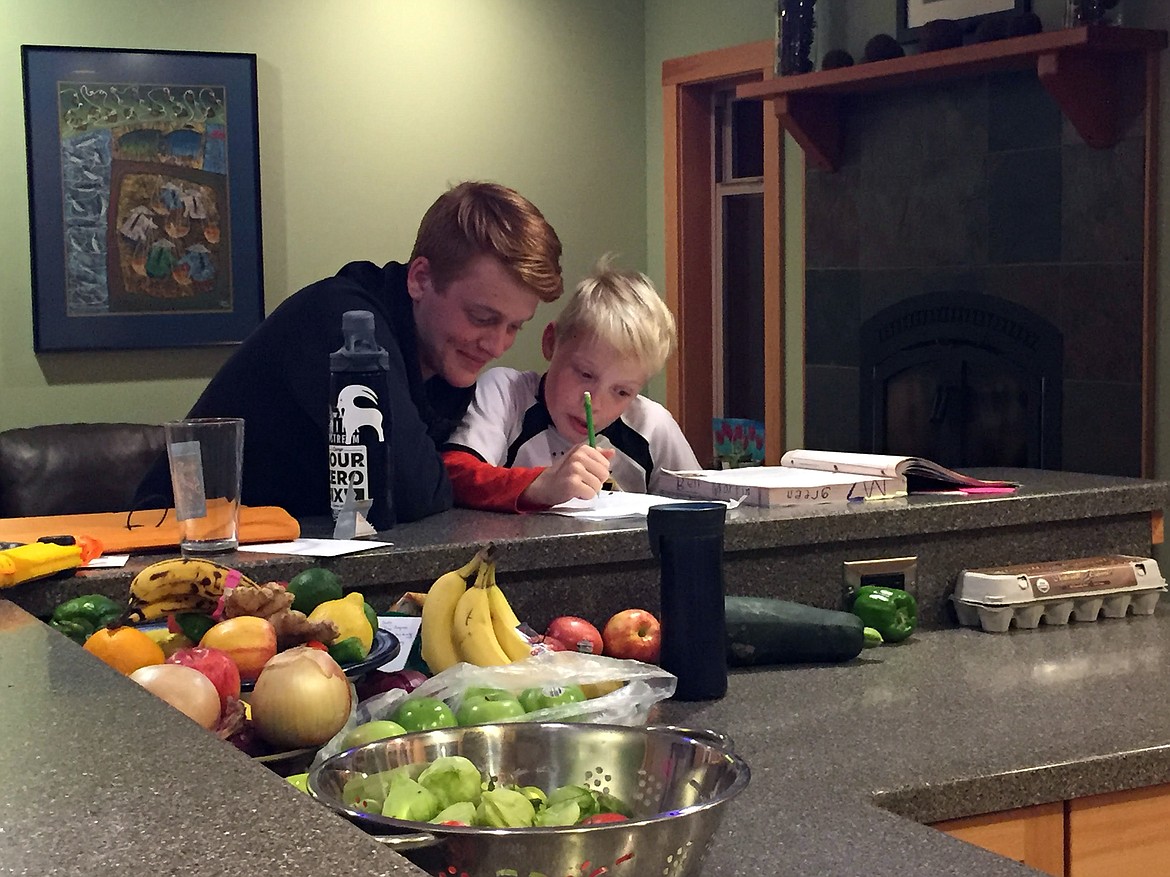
(963, 379)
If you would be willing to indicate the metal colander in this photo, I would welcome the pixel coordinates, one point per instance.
(675, 781)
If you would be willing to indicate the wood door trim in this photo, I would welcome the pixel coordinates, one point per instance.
(688, 161)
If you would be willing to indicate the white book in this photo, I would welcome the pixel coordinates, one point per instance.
(824, 476)
(770, 486)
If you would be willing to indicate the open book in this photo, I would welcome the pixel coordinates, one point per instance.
(826, 476)
(922, 475)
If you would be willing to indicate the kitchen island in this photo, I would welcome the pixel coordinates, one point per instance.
(551, 565)
(847, 761)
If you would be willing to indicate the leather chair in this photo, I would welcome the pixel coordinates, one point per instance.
(75, 468)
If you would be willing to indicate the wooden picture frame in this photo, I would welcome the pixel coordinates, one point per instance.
(144, 197)
(913, 15)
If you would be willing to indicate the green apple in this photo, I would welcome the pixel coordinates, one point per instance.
(424, 714)
(533, 699)
(299, 780)
(477, 690)
(491, 706)
(379, 729)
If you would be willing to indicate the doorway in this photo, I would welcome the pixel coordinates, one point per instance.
(701, 380)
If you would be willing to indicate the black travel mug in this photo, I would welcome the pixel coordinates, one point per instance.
(687, 538)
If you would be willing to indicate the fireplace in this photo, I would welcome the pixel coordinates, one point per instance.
(964, 379)
(971, 189)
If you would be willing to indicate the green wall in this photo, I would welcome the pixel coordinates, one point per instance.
(368, 110)
(560, 99)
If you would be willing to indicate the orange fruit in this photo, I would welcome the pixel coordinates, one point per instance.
(126, 649)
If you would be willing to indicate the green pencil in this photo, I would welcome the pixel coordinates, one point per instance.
(589, 420)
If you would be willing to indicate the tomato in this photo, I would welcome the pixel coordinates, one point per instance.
(318, 645)
(491, 706)
(602, 818)
(424, 714)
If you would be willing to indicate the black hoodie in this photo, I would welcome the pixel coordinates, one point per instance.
(278, 382)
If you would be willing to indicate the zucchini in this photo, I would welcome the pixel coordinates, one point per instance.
(761, 630)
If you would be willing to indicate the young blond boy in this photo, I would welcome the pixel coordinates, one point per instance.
(522, 445)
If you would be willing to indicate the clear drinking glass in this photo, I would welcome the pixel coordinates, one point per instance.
(206, 459)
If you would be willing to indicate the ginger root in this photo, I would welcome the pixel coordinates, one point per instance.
(293, 628)
(263, 601)
(273, 602)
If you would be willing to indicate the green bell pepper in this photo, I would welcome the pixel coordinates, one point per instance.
(892, 612)
(80, 617)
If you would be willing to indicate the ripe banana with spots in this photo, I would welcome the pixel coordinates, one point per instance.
(438, 614)
(474, 635)
(180, 584)
(505, 623)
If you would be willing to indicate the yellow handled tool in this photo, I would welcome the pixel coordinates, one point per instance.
(23, 563)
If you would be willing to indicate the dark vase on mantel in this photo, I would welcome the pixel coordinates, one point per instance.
(1081, 12)
(795, 24)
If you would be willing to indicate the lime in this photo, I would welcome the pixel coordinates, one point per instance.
(347, 651)
(371, 615)
(312, 587)
(193, 625)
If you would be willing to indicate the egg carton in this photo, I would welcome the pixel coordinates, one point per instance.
(1056, 592)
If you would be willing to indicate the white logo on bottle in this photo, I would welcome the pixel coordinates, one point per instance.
(348, 463)
(354, 416)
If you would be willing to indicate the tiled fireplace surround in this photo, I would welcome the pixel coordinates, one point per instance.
(980, 185)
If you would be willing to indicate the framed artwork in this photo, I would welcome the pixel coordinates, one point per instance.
(738, 442)
(144, 197)
(915, 14)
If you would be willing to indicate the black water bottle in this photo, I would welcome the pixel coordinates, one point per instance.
(687, 538)
(359, 423)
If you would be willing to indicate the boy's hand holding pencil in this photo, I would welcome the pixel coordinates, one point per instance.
(580, 474)
(609, 482)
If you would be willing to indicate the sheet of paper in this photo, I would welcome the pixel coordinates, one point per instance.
(107, 561)
(316, 547)
(609, 505)
(406, 629)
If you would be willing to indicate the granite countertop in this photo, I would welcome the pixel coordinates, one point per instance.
(846, 760)
(535, 543)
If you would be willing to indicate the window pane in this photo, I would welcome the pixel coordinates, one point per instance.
(743, 306)
(747, 138)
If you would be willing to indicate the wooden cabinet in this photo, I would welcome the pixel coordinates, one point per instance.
(1032, 835)
(1120, 834)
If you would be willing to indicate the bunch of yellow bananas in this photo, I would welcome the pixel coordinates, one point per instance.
(179, 584)
(470, 621)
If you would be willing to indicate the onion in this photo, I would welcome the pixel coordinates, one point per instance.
(184, 688)
(302, 698)
(379, 681)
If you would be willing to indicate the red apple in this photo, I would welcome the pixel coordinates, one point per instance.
(545, 643)
(216, 665)
(576, 633)
(633, 633)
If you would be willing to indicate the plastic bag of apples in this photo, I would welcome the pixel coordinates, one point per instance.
(552, 687)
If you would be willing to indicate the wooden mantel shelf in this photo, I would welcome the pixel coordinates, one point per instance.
(1091, 72)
